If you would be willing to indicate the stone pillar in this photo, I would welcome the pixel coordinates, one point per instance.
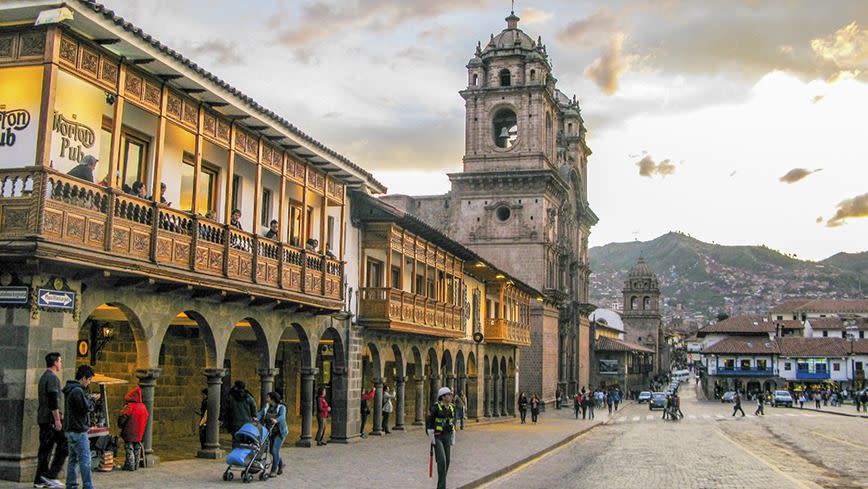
(378, 406)
(472, 401)
(308, 374)
(147, 382)
(400, 382)
(495, 395)
(450, 382)
(486, 409)
(420, 401)
(266, 382)
(338, 416)
(212, 449)
(435, 386)
(504, 396)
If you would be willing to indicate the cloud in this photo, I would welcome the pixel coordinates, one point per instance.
(648, 167)
(323, 19)
(220, 50)
(606, 70)
(534, 16)
(819, 219)
(797, 174)
(848, 208)
(589, 31)
(847, 47)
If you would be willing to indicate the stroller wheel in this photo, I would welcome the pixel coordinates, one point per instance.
(247, 478)
(228, 475)
(263, 476)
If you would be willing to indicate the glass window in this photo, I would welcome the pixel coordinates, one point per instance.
(729, 364)
(836, 367)
(295, 225)
(761, 365)
(330, 233)
(505, 78)
(375, 273)
(788, 366)
(207, 188)
(105, 150)
(265, 213)
(745, 364)
(133, 164)
(396, 277)
(236, 191)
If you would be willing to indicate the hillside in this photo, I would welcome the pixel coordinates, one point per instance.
(708, 278)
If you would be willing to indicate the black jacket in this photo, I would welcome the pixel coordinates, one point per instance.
(241, 408)
(78, 405)
(82, 171)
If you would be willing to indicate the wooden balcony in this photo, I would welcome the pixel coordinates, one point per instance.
(506, 332)
(73, 221)
(404, 312)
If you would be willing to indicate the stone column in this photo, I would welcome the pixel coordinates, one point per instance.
(212, 449)
(462, 386)
(495, 395)
(266, 382)
(400, 382)
(504, 396)
(308, 374)
(450, 382)
(338, 416)
(435, 386)
(378, 406)
(147, 382)
(420, 401)
(486, 400)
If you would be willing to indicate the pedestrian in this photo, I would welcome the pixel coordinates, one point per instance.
(760, 402)
(558, 398)
(273, 415)
(591, 403)
(240, 407)
(676, 404)
(577, 405)
(84, 170)
(610, 400)
(203, 418)
(802, 400)
(736, 399)
(522, 407)
(387, 408)
(584, 401)
(79, 404)
(864, 398)
(667, 407)
(857, 401)
(441, 432)
(617, 398)
(365, 410)
(534, 408)
(131, 422)
(460, 408)
(322, 413)
(817, 399)
(51, 437)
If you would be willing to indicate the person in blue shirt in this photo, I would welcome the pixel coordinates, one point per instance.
(274, 414)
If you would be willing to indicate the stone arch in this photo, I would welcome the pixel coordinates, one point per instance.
(505, 77)
(376, 360)
(646, 302)
(634, 303)
(400, 365)
(133, 323)
(446, 363)
(460, 367)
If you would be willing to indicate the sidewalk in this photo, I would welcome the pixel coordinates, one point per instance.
(399, 460)
(845, 410)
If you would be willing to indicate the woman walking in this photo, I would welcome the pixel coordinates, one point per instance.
(522, 407)
(577, 404)
(274, 414)
(322, 413)
(534, 408)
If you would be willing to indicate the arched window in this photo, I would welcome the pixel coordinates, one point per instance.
(550, 143)
(475, 79)
(532, 75)
(505, 78)
(646, 303)
(505, 127)
(633, 303)
(570, 128)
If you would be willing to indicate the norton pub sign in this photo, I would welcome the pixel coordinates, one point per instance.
(75, 137)
(11, 122)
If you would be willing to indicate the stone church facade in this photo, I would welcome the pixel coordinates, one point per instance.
(643, 320)
(521, 199)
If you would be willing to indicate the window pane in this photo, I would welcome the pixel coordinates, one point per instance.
(186, 187)
(132, 162)
(206, 192)
(105, 147)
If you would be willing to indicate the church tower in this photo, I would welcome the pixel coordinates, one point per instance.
(642, 315)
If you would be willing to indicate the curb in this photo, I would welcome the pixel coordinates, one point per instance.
(865, 416)
(497, 474)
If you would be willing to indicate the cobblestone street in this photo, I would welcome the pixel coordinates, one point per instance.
(708, 449)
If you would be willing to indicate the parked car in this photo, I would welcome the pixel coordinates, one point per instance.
(782, 398)
(644, 396)
(657, 401)
(727, 396)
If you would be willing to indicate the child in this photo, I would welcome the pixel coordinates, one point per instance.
(131, 421)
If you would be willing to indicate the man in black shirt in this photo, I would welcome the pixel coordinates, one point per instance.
(273, 232)
(78, 404)
(84, 170)
(441, 431)
(51, 437)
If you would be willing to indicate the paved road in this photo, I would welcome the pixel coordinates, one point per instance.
(708, 449)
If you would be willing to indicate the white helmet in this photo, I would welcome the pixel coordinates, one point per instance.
(443, 391)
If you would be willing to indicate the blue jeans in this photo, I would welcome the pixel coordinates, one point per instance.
(78, 461)
(276, 443)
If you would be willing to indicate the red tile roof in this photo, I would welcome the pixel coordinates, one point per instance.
(789, 323)
(753, 324)
(604, 343)
(832, 306)
(744, 346)
(813, 347)
(826, 323)
(789, 306)
(860, 346)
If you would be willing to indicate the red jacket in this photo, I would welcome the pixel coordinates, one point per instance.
(323, 407)
(133, 417)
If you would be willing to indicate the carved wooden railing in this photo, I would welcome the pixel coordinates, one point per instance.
(509, 332)
(380, 304)
(39, 202)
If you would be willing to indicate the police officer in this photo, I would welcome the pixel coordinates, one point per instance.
(441, 432)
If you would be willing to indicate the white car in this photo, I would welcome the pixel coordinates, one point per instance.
(644, 396)
(782, 398)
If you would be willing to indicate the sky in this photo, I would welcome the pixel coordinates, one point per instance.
(734, 121)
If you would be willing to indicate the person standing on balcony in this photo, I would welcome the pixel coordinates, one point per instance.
(84, 170)
(163, 195)
(235, 219)
(311, 245)
(273, 231)
(140, 190)
(51, 437)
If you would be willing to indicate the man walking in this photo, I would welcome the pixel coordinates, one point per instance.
(51, 437)
(760, 402)
(736, 400)
(78, 404)
(441, 431)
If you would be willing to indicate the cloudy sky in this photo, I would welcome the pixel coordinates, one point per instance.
(738, 122)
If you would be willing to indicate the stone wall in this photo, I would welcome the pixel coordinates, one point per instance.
(539, 361)
(177, 396)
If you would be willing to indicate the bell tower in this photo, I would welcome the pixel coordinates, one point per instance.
(642, 316)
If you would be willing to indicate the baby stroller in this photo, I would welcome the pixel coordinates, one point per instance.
(249, 453)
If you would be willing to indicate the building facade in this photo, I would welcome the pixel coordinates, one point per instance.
(521, 200)
(615, 361)
(643, 319)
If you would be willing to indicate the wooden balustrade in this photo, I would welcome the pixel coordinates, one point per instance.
(398, 310)
(507, 332)
(64, 210)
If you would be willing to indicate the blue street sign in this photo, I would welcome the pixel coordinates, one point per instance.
(14, 295)
(59, 299)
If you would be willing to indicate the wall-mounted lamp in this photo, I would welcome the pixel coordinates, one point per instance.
(110, 98)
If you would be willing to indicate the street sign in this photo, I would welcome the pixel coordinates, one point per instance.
(14, 295)
(59, 299)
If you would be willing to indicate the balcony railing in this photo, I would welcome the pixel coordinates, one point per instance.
(809, 375)
(38, 202)
(401, 311)
(507, 332)
(746, 372)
